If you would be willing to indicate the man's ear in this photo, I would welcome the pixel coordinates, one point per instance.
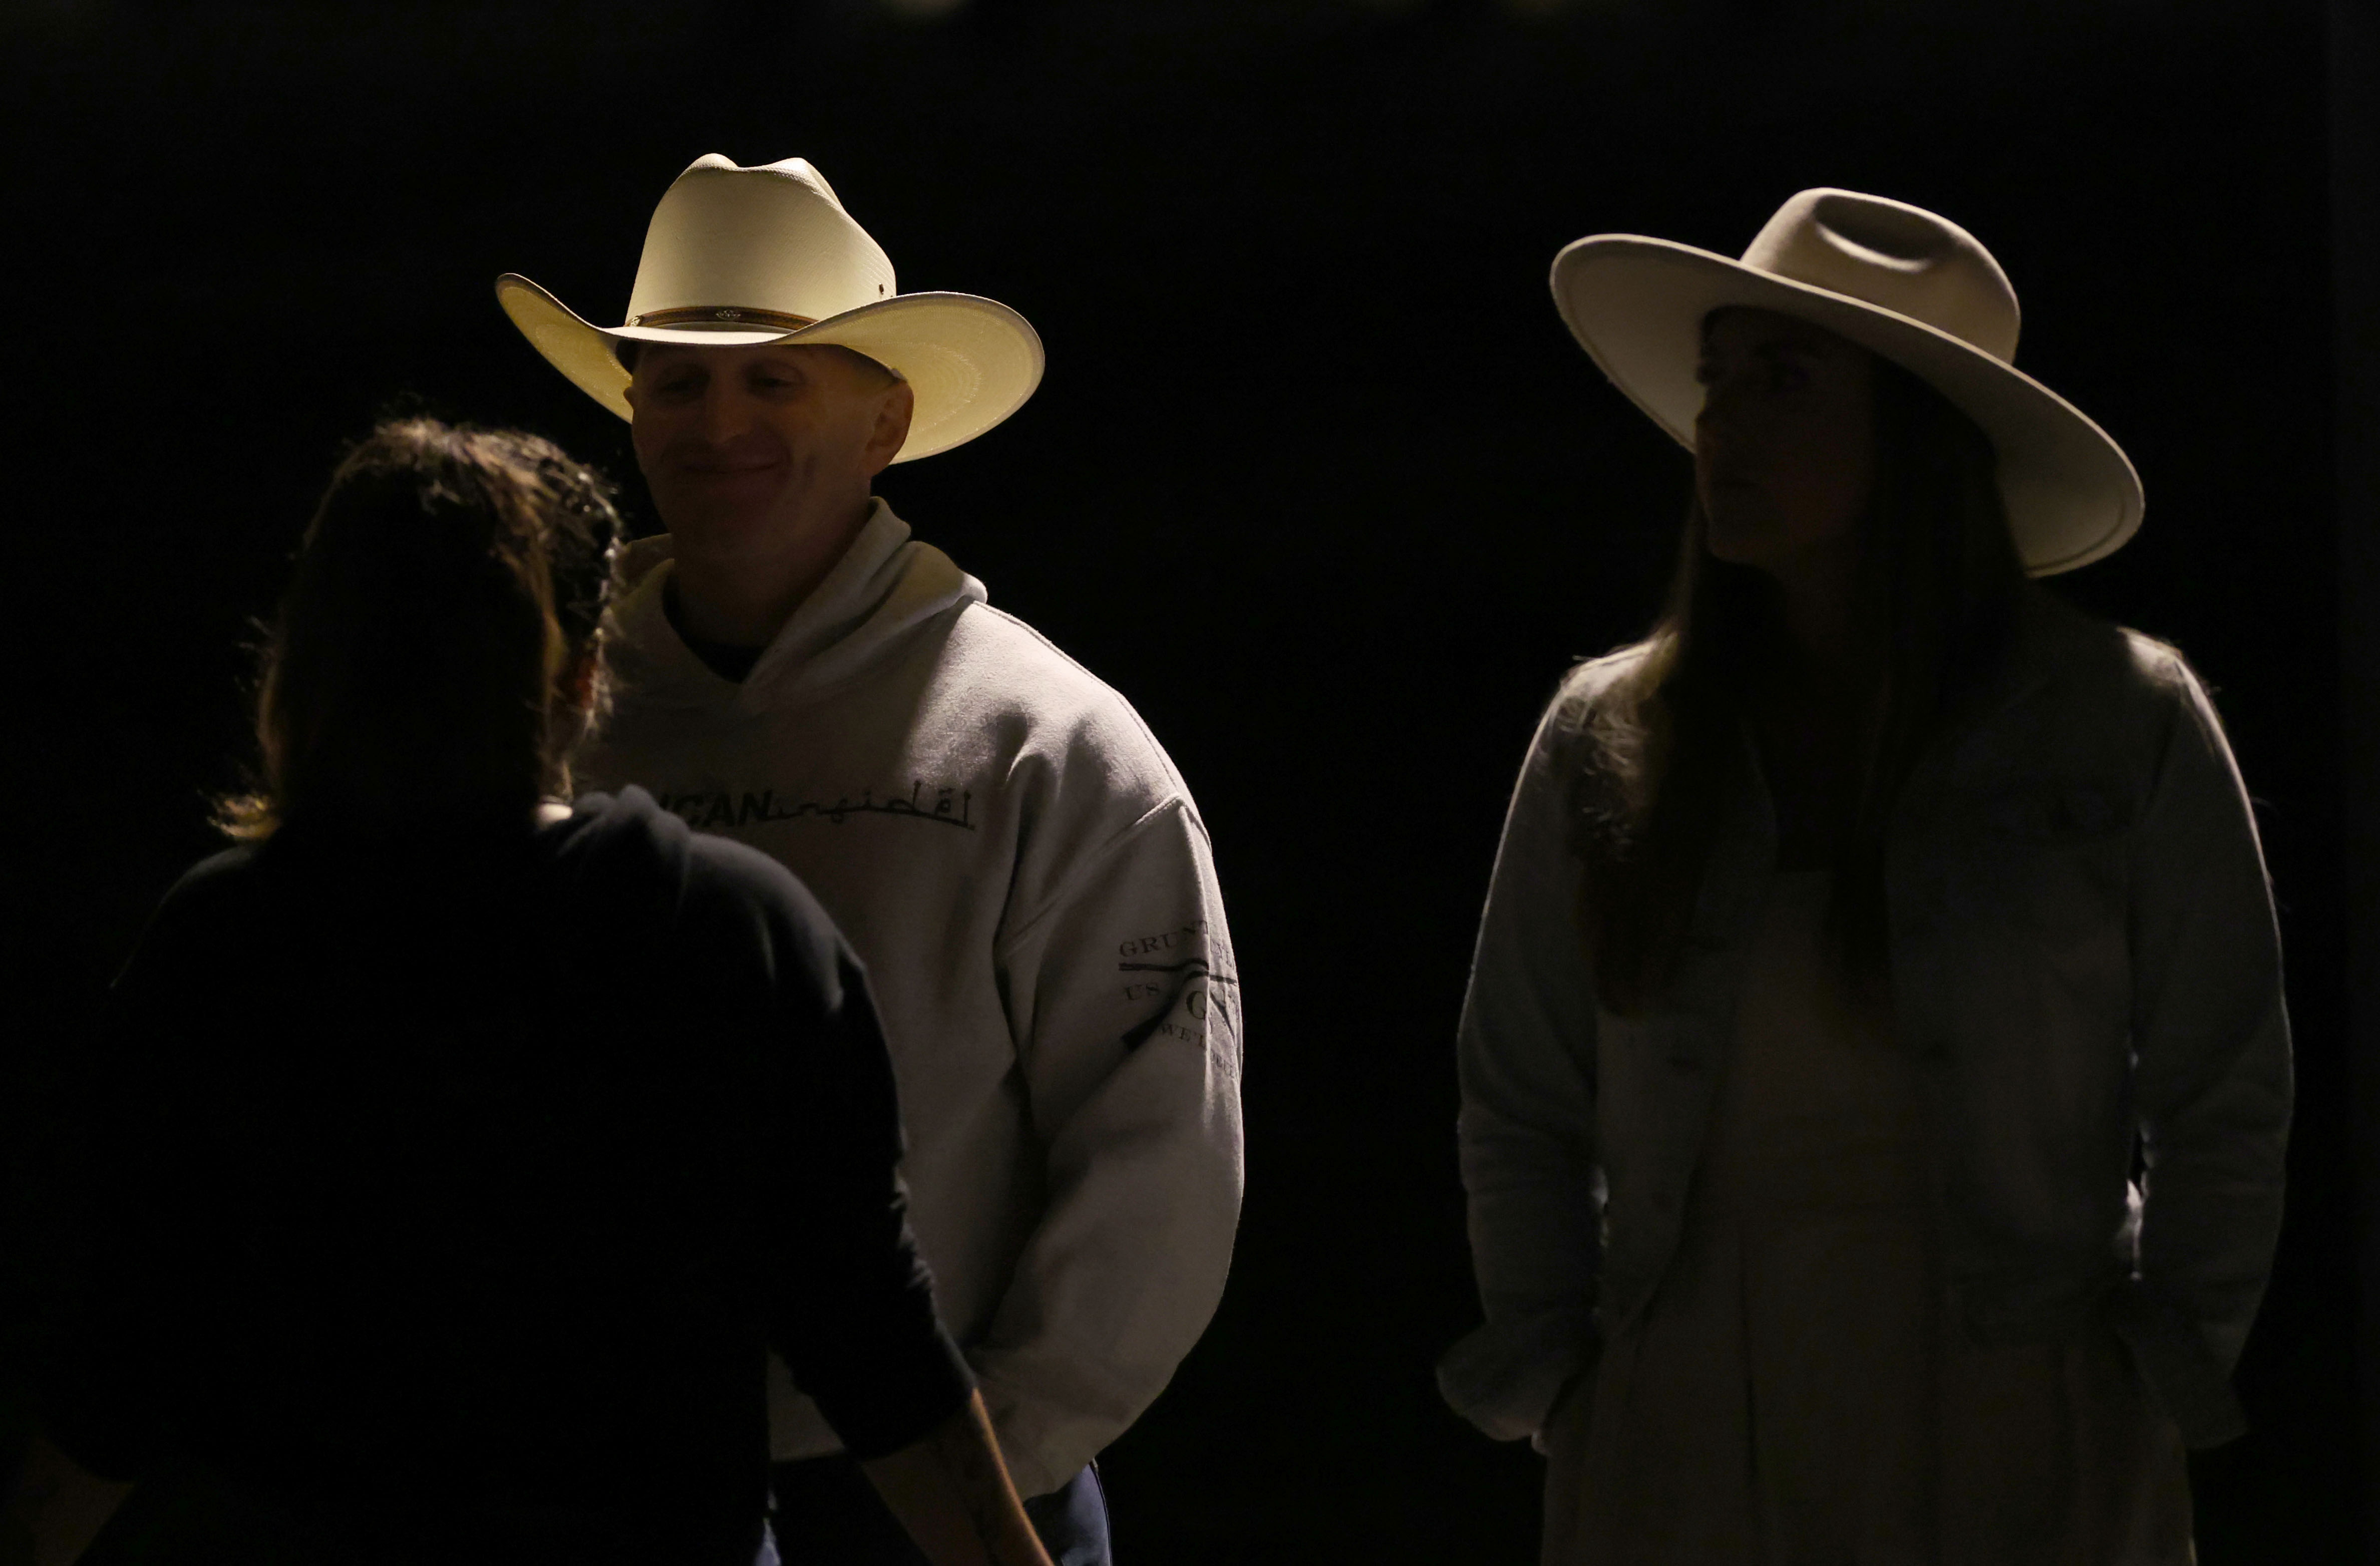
(898, 406)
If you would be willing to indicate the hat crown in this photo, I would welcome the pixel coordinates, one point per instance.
(1897, 257)
(771, 238)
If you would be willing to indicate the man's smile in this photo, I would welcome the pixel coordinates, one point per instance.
(708, 466)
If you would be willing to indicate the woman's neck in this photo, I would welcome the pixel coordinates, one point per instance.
(1812, 706)
(1818, 610)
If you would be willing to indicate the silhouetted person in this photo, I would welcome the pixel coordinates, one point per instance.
(1849, 938)
(453, 1156)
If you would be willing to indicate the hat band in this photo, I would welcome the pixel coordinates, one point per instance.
(722, 318)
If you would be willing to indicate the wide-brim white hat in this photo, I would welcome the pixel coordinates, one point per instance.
(738, 256)
(1909, 286)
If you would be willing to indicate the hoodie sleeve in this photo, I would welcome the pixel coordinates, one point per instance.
(1124, 1001)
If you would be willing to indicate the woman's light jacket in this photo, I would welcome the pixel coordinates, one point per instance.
(2085, 966)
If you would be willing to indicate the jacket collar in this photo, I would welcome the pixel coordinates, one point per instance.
(2043, 644)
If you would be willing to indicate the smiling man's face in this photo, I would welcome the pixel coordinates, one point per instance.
(748, 449)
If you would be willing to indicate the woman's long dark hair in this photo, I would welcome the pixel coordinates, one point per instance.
(450, 581)
(1938, 583)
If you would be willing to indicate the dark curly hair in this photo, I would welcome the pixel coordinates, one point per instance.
(440, 646)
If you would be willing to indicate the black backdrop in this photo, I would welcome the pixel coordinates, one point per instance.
(1316, 479)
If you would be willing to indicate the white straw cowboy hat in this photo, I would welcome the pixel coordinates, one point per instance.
(767, 254)
(1913, 287)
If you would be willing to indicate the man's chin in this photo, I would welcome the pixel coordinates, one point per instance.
(720, 532)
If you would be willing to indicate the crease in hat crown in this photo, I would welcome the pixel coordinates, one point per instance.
(1902, 258)
(1904, 282)
(743, 256)
(772, 237)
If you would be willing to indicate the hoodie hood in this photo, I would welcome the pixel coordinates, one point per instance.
(884, 587)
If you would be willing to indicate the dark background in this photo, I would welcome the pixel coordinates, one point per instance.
(1317, 479)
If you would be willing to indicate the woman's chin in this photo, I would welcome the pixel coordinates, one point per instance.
(1774, 549)
(1732, 548)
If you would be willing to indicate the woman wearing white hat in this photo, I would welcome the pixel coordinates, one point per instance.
(1875, 1070)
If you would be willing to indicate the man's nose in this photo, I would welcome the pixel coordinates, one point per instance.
(725, 414)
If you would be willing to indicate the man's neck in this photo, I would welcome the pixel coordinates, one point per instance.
(740, 602)
(727, 660)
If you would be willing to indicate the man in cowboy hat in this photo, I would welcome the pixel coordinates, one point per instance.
(1002, 840)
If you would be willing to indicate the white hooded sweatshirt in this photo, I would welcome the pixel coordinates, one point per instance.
(1028, 883)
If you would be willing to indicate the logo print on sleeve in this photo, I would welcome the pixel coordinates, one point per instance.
(1172, 967)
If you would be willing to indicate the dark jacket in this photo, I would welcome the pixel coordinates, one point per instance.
(450, 1188)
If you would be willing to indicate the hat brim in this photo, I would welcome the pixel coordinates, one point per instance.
(1637, 304)
(971, 361)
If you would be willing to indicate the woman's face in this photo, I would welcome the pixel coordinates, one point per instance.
(1785, 446)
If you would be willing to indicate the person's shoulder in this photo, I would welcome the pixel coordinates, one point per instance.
(2116, 692)
(208, 912)
(210, 891)
(1039, 702)
(1593, 679)
(1014, 665)
(626, 837)
(220, 874)
(2158, 668)
(1593, 687)
(2102, 658)
(618, 834)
